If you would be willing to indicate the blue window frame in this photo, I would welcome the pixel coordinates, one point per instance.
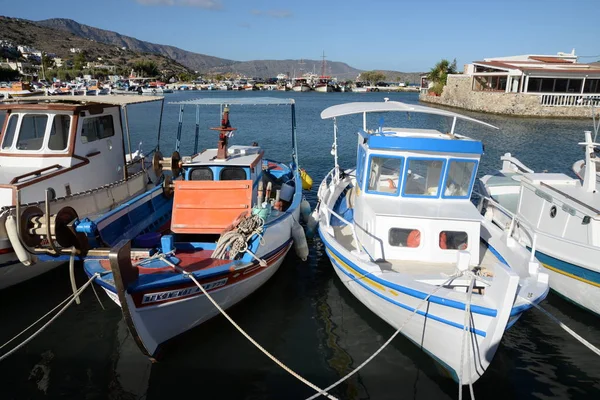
(459, 178)
(423, 177)
(385, 172)
(360, 166)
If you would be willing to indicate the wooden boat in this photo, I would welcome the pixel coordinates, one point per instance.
(405, 239)
(556, 217)
(232, 219)
(78, 155)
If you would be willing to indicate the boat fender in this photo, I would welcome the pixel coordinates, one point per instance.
(311, 224)
(300, 244)
(13, 236)
(307, 181)
(443, 241)
(413, 239)
(305, 210)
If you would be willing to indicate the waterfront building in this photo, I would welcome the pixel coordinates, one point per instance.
(531, 85)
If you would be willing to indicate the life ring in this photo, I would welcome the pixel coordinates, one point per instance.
(413, 239)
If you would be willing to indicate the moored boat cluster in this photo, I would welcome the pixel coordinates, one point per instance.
(449, 261)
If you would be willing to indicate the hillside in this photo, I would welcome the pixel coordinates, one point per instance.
(194, 61)
(204, 63)
(23, 32)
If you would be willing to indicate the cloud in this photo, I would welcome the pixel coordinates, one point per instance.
(273, 13)
(206, 4)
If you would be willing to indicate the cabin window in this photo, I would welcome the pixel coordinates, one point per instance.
(423, 177)
(453, 240)
(459, 178)
(232, 174)
(201, 174)
(384, 175)
(11, 128)
(401, 237)
(32, 131)
(59, 132)
(97, 128)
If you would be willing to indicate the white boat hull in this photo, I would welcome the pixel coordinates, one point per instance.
(186, 314)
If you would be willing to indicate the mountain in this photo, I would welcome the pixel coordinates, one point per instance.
(204, 63)
(28, 33)
(194, 61)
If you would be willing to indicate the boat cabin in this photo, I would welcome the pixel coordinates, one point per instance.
(69, 143)
(412, 195)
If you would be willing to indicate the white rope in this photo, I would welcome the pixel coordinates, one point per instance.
(349, 374)
(72, 298)
(247, 336)
(566, 328)
(466, 329)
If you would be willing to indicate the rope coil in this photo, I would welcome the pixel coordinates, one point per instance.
(237, 239)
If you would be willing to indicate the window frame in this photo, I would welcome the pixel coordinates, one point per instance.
(471, 183)
(243, 168)
(98, 117)
(189, 177)
(69, 131)
(43, 148)
(400, 174)
(17, 116)
(405, 179)
(406, 247)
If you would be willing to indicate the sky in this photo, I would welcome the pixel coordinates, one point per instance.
(399, 35)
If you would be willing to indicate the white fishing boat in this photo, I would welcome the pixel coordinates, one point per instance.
(57, 152)
(556, 216)
(234, 217)
(405, 239)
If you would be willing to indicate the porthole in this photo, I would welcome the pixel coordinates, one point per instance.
(552, 211)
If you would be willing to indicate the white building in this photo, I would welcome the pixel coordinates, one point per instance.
(535, 74)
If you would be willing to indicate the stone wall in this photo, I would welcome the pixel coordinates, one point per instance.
(457, 93)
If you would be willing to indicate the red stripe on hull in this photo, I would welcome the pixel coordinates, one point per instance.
(232, 278)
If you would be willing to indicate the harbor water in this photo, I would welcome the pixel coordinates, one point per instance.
(303, 315)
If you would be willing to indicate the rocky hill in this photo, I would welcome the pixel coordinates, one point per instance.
(194, 61)
(204, 63)
(28, 33)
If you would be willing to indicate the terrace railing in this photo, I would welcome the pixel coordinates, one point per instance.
(568, 99)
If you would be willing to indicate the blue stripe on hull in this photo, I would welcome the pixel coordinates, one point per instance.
(571, 270)
(404, 306)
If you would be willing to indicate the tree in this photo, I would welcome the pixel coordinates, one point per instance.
(439, 74)
(146, 68)
(8, 74)
(372, 77)
(79, 60)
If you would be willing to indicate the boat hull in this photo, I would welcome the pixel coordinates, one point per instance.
(191, 312)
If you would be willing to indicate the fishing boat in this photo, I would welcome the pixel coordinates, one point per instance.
(555, 216)
(233, 215)
(301, 85)
(78, 155)
(405, 239)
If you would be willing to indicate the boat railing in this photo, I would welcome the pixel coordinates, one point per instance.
(568, 99)
(508, 160)
(350, 224)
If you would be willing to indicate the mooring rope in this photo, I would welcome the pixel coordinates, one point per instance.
(247, 336)
(425, 300)
(70, 299)
(466, 330)
(566, 328)
(237, 239)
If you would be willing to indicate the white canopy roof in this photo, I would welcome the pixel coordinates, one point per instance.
(368, 107)
(117, 100)
(236, 101)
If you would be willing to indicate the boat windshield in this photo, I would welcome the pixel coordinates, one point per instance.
(459, 178)
(29, 135)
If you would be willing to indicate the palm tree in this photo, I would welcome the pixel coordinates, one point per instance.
(439, 74)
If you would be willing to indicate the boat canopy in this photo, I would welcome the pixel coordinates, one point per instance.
(369, 107)
(117, 100)
(236, 101)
